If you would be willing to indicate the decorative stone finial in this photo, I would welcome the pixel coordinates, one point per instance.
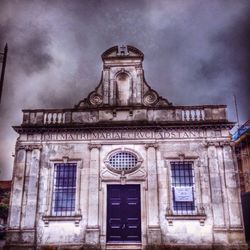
(122, 50)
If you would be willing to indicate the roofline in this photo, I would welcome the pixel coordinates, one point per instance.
(120, 125)
(105, 54)
(126, 108)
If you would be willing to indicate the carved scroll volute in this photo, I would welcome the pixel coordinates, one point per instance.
(95, 99)
(150, 98)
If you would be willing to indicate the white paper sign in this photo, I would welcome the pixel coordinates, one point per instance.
(183, 193)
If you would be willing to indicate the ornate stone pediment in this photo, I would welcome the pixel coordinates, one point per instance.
(122, 83)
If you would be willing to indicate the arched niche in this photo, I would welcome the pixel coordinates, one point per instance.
(123, 89)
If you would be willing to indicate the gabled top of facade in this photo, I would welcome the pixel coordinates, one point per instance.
(123, 83)
(122, 52)
(123, 98)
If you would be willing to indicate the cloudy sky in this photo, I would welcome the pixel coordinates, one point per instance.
(196, 52)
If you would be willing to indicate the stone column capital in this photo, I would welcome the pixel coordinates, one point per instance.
(226, 143)
(151, 145)
(212, 144)
(28, 147)
(94, 145)
(221, 143)
(106, 67)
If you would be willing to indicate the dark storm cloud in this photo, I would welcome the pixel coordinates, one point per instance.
(28, 45)
(31, 53)
(235, 44)
(196, 52)
(206, 67)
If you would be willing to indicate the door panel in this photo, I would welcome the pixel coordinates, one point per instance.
(114, 214)
(123, 213)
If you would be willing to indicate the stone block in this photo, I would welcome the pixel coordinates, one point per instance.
(20, 157)
(92, 236)
(140, 115)
(21, 237)
(106, 115)
(84, 117)
(219, 114)
(208, 113)
(67, 116)
(220, 236)
(154, 235)
(164, 115)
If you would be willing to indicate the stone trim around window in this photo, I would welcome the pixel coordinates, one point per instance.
(126, 154)
(75, 218)
(200, 217)
(48, 214)
(199, 212)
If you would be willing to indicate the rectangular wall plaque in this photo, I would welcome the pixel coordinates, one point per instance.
(183, 193)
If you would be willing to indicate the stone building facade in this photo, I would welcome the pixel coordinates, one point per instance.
(241, 142)
(125, 169)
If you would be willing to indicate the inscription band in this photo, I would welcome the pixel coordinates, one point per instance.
(123, 135)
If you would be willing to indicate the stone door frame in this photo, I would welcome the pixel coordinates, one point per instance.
(103, 209)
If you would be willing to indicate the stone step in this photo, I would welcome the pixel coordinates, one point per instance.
(124, 246)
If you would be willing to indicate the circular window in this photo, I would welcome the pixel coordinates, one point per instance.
(123, 161)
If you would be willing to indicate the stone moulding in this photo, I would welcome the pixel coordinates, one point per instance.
(138, 175)
(34, 132)
(171, 218)
(76, 219)
(123, 150)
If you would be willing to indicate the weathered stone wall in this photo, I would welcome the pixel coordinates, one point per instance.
(125, 113)
(218, 220)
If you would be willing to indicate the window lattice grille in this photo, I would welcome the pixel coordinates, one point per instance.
(182, 175)
(64, 189)
(123, 161)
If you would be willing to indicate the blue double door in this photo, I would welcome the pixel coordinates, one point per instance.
(123, 213)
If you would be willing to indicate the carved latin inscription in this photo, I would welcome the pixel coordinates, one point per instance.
(123, 135)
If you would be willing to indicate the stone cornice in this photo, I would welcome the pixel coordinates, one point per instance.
(30, 147)
(120, 125)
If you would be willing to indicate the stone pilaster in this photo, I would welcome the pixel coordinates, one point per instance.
(93, 230)
(233, 196)
(232, 188)
(32, 184)
(106, 86)
(153, 230)
(112, 89)
(17, 188)
(24, 197)
(138, 85)
(217, 199)
(223, 183)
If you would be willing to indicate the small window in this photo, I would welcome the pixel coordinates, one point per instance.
(182, 178)
(64, 189)
(123, 161)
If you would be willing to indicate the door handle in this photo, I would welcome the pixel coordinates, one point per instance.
(123, 226)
